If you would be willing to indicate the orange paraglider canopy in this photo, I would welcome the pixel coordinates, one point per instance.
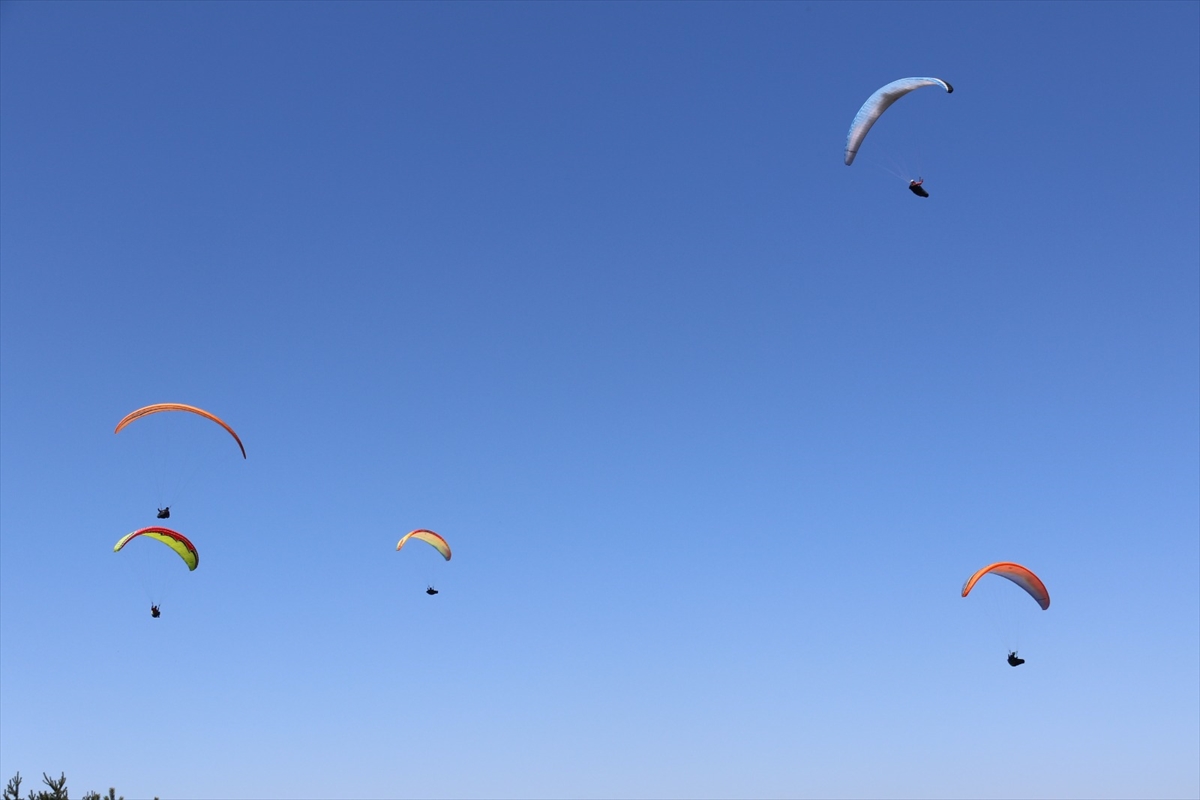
(157, 407)
(1021, 576)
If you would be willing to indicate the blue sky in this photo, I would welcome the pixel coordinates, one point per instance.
(716, 426)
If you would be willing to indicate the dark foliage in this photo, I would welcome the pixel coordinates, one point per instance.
(56, 790)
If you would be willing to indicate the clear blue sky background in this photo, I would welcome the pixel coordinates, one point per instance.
(716, 425)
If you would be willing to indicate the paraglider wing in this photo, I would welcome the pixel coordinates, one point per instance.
(157, 407)
(880, 102)
(176, 541)
(431, 538)
(1019, 575)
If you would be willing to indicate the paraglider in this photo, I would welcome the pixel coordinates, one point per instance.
(879, 102)
(159, 407)
(433, 540)
(173, 468)
(172, 539)
(1021, 576)
(915, 188)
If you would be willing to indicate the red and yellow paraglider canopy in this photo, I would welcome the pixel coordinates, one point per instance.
(428, 537)
(172, 539)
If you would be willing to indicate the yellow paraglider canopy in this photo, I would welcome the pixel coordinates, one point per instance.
(429, 537)
(172, 539)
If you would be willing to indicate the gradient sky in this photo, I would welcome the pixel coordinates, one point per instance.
(716, 426)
